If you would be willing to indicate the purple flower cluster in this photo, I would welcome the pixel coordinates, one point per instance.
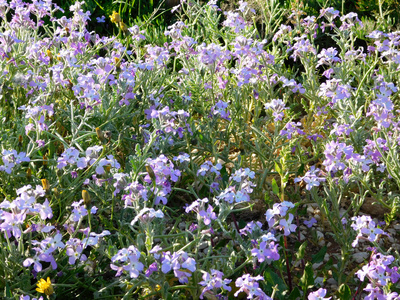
(164, 173)
(278, 218)
(382, 108)
(212, 173)
(380, 275)
(277, 106)
(249, 285)
(79, 210)
(366, 229)
(328, 57)
(25, 203)
(44, 252)
(180, 262)
(266, 250)
(71, 156)
(127, 259)
(212, 282)
(301, 47)
(290, 129)
(240, 189)
(168, 122)
(11, 159)
(334, 152)
(198, 206)
(334, 90)
(147, 215)
(221, 109)
(311, 178)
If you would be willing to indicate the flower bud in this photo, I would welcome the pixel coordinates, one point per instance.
(150, 172)
(46, 185)
(86, 197)
(49, 54)
(100, 134)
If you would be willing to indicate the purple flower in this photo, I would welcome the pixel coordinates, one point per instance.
(277, 106)
(301, 47)
(250, 227)
(101, 19)
(12, 223)
(311, 178)
(267, 250)
(366, 229)
(287, 226)
(328, 57)
(214, 281)
(208, 215)
(152, 268)
(129, 257)
(310, 223)
(318, 295)
(74, 251)
(180, 262)
(290, 129)
(250, 286)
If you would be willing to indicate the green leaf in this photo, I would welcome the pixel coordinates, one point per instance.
(307, 280)
(344, 292)
(300, 170)
(7, 291)
(273, 279)
(319, 257)
(295, 294)
(302, 249)
(275, 188)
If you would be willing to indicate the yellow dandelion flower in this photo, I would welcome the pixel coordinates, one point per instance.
(115, 17)
(45, 287)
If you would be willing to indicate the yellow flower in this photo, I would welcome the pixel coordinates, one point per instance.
(115, 17)
(45, 287)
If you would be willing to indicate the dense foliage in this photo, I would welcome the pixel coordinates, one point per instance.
(240, 153)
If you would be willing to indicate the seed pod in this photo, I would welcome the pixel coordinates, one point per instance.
(150, 172)
(46, 185)
(86, 197)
